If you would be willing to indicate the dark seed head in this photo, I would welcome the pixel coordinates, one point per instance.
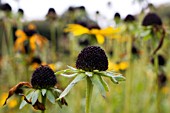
(21, 11)
(117, 16)
(129, 18)
(6, 7)
(92, 58)
(43, 78)
(151, 19)
(161, 60)
(162, 79)
(36, 60)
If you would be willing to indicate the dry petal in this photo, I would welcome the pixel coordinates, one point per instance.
(15, 88)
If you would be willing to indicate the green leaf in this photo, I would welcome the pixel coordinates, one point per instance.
(23, 103)
(106, 87)
(51, 96)
(114, 80)
(89, 74)
(145, 33)
(43, 91)
(147, 37)
(115, 77)
(72, 68)
(120, 78)
(97, 82)
(69, 75)
(63, 71)
(74, 82)
(35, 96)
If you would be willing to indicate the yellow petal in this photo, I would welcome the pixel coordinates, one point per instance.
(109, 31)
(123, 65)
(95, 31)
(100, 38)
(76, 29)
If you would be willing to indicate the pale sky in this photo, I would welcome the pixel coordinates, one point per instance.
(37, 9)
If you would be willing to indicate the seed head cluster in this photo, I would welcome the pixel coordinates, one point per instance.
(151, 19)
(92, 58)
(43, 78)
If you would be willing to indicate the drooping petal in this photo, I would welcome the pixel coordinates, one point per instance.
(15, 88)
(100, 38)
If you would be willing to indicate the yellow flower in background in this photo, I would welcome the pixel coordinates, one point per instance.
(31, 26)
(12, 102)
(2, 98)
(123, 65)
(19, 43)
(118, 66)
(100, 34)
(37, 40)
(76, 29)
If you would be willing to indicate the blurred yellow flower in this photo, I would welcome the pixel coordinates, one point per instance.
(12, 102)
(118, 66)
(37, 41)
(100, 34)
(34, 41)
(31, 26)
(3, 98)
(19, 43)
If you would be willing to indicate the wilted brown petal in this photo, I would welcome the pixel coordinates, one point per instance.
(39, 106)
(63, 102)
(16, 87)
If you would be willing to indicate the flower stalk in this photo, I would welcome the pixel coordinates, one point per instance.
(89, 90)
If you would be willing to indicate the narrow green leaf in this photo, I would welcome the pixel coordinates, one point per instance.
(50, 96)
(72, 68)
(114, 80)
(69, 75)
(23, 103)
(75, 81)
(96, 81)
(57, 90)
(105, 85)
(89, 74)
(35, 96)
(43, 91)
(120, 78)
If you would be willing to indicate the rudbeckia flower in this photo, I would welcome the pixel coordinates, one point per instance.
(37, 41)
(43, 83)
(100, 34)
(92, 65)
(31, 43)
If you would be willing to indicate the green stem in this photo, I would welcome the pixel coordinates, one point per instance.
(43, 101)
(89, 90)
(156, 66)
